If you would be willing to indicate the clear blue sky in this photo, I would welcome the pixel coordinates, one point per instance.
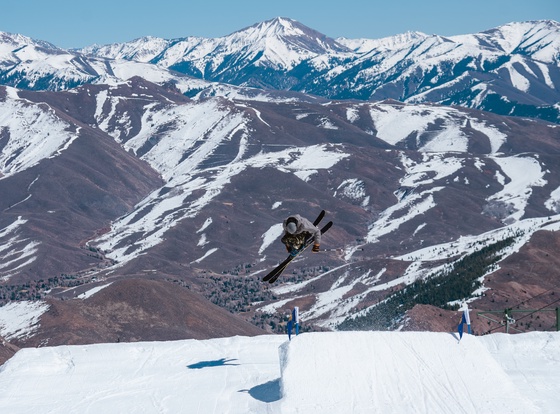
(75, 23)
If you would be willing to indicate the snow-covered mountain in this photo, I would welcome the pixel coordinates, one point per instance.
(279, 45)
(146, 172)
(34, 65)
(150, 182)
(510, 70)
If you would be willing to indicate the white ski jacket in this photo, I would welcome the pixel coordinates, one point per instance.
(304, 225)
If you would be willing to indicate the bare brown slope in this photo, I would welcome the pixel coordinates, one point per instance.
(137, 310)
(7, 350)
(68, 199)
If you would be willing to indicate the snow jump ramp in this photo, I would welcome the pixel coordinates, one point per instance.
(389, 372)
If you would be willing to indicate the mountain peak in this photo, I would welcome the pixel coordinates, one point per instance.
(395, 42)
(281, 38)
(282, 26)
(13, 41)
(142, 49)
(279, 26)
(539, 39)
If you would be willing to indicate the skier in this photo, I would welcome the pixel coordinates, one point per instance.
(299, 234)
(296, 230)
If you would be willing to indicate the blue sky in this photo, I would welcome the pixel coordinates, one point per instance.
(71, 23)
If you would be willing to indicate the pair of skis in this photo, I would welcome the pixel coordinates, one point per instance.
(277, 271)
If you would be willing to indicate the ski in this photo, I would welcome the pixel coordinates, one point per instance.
(275, 274)
(319, 218)
(289, 259)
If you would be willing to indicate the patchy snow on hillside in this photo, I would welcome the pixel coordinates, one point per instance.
(495, 136)
(161, 212)
(19, 320)
(16, 252)
(314, 373)
(208, 253)
(93, 291)
(338, 303)
(394, 123)
(352, 188)
(410, 203)
(523, 229)
(34, 133)
(524, 173)
(553, 203)
(270, 236)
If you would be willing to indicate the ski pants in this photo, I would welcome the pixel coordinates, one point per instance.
(295, 241)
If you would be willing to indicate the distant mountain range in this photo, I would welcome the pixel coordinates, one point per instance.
(178, 160)
(509, 70)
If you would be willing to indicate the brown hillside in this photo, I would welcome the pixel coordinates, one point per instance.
(526, 281)
(7, 350)
(137, 310)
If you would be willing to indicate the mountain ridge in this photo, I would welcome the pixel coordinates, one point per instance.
(510, 70)
(117, 168)
(394, 178)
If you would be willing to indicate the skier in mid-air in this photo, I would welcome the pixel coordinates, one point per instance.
(299, 233)
(296, 230)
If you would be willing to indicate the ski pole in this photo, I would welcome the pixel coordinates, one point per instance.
(339, 249)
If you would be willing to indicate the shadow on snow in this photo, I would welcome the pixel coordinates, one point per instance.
(267, 392)
(216, 363)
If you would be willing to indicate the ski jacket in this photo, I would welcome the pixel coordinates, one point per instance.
(304, 225)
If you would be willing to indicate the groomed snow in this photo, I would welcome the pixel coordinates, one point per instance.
(335, 372)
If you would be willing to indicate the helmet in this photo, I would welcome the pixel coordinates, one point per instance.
(291, 227)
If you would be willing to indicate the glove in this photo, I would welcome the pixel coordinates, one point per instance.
(315, 248)
(288, 248)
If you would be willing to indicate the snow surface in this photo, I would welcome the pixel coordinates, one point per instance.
(270, 236)
(19, 319)
(16, 252)
(35, 134)
(525, 173)
(395, 123)
(93, 291)
(335, 372)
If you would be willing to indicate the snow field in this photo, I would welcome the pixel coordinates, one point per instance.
(334, 372)
(190, 376)
(388, 372)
